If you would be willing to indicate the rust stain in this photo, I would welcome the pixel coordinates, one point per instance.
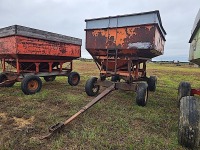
(115, 37)
(8, 45)
(159, 42)
(149, 27)
(41, 47)
(141, 41)
(131, 42)
(99, 32)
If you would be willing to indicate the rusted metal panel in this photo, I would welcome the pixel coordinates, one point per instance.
(25, 47)
(36, 47)
(158, 42)
(142, 41)
(8, 45)
(135, 35)
(38, 34)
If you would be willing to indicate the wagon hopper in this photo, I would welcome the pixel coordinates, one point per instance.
(33, 53)
(121, 46)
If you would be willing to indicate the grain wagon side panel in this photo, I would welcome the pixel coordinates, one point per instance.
(159, 42)
(140, 41)
(122, 38)
(33, 46)
(7, 46)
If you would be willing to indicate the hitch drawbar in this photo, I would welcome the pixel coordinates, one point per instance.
(59, 126)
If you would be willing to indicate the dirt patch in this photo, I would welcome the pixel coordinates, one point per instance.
(2, 116)
(22, 122)
(138, 123)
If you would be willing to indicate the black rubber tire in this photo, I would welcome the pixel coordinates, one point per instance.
(73, 78)
(49, 78)
(142, 94)
(90, 88)
(189, 124)
(184, 89)
(152, 81)
(4, 78)
(26, 84)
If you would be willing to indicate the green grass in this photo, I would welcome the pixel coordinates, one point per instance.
(116, 122)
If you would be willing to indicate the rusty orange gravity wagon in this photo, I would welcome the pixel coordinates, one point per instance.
(121, 46)
(27, 54)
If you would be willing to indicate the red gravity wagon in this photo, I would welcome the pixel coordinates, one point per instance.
(27, 54)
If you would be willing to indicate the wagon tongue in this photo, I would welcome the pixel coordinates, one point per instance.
(53, 129)
(59, 126)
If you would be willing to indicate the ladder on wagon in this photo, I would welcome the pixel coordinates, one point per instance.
(112, 53)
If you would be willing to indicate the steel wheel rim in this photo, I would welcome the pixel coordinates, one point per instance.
(33, 85)
(75, 79)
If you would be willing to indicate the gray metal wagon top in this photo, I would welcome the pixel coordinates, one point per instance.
(152, 17)
(39, 34)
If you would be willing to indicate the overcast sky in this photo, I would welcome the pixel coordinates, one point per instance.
(67, 17)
